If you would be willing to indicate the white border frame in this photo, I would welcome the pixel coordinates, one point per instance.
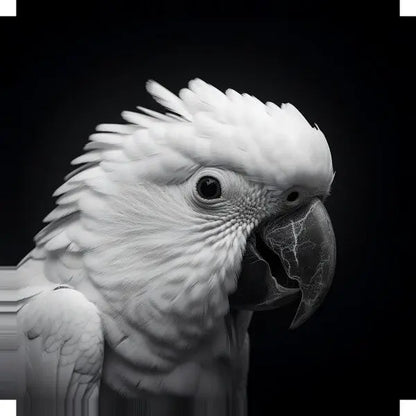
(407, 7)
(7, 8)
(7, 407)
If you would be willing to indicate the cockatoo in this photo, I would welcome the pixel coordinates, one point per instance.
(174, 229)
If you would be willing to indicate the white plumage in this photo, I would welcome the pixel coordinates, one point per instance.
(129, 233)
(65, 350)
(268, 144)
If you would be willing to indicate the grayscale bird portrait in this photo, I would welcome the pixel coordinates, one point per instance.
(215, 216)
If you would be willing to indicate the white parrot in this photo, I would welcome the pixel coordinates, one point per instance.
(173, 230)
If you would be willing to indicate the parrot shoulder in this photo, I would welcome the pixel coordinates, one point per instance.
(65, 348)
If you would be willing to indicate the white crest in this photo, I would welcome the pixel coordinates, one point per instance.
(269, 144)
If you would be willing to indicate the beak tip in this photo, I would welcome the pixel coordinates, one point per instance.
(297, 322)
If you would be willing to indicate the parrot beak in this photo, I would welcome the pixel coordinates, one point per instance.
(297, 249)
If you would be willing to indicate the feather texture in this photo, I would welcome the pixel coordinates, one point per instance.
(129, 232)
(65, 347)
(167, 99)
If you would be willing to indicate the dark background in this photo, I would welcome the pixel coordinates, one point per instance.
(63, 75)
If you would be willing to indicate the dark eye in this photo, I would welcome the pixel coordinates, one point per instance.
(208, 188)
(292, 197)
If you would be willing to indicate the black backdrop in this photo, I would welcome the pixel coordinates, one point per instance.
(62, 76)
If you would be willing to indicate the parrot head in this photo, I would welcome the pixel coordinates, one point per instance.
(178, 217)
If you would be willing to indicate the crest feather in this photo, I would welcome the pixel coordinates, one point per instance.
(202, 126)
(169, 100)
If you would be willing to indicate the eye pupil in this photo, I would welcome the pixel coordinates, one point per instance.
(209, 188)
(293, 196)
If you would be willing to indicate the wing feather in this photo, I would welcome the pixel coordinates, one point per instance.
(64, 344)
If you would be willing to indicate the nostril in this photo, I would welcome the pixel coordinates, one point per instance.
(293, 196)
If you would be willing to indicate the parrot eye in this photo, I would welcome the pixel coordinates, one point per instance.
(208, 188)
(292, 197)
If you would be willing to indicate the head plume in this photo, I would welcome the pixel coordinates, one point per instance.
(267, 143)
(203, 127)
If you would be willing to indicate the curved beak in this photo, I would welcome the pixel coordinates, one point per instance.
(304, 242)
